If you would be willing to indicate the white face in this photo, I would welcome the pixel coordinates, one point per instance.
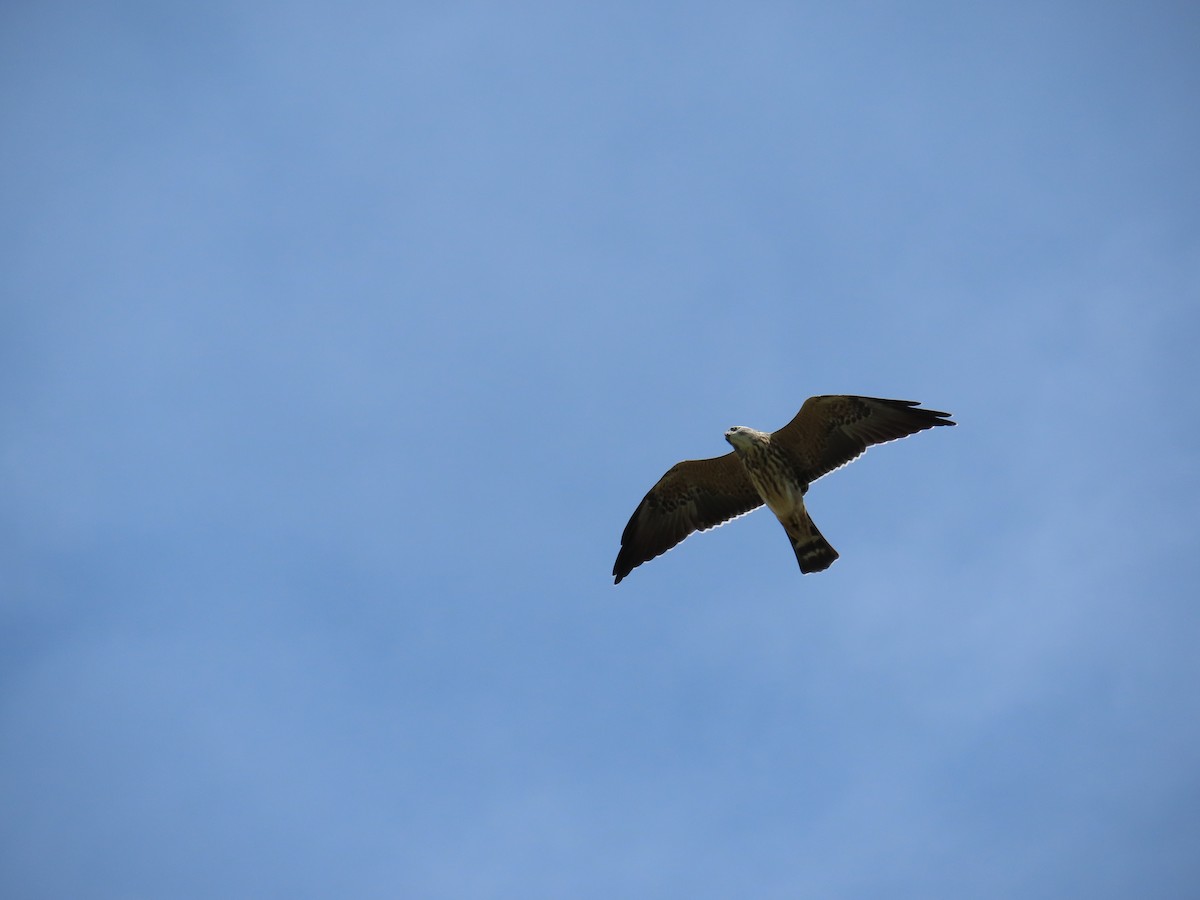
(741, 436)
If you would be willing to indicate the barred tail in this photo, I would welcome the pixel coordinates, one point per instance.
(813, 552)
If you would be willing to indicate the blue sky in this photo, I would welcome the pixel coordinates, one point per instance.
(338, 342)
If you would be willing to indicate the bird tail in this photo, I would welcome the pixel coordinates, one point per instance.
(813, 552)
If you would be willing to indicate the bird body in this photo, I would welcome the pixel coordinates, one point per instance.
(774, 469)
(774, 477)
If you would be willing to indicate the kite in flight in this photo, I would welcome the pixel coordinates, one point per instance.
(775, 469)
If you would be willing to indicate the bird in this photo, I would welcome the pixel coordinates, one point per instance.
(774, 468)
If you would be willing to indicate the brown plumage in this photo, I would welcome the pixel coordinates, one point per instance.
(775, 469)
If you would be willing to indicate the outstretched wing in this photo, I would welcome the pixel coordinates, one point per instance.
(694, 495)
(831, 430)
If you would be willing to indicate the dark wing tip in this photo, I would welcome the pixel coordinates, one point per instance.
(932, 417)
(621, 567)
(627, 558)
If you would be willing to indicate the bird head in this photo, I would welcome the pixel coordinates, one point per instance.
(742, 437)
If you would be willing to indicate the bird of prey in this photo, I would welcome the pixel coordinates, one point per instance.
(775, 469)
